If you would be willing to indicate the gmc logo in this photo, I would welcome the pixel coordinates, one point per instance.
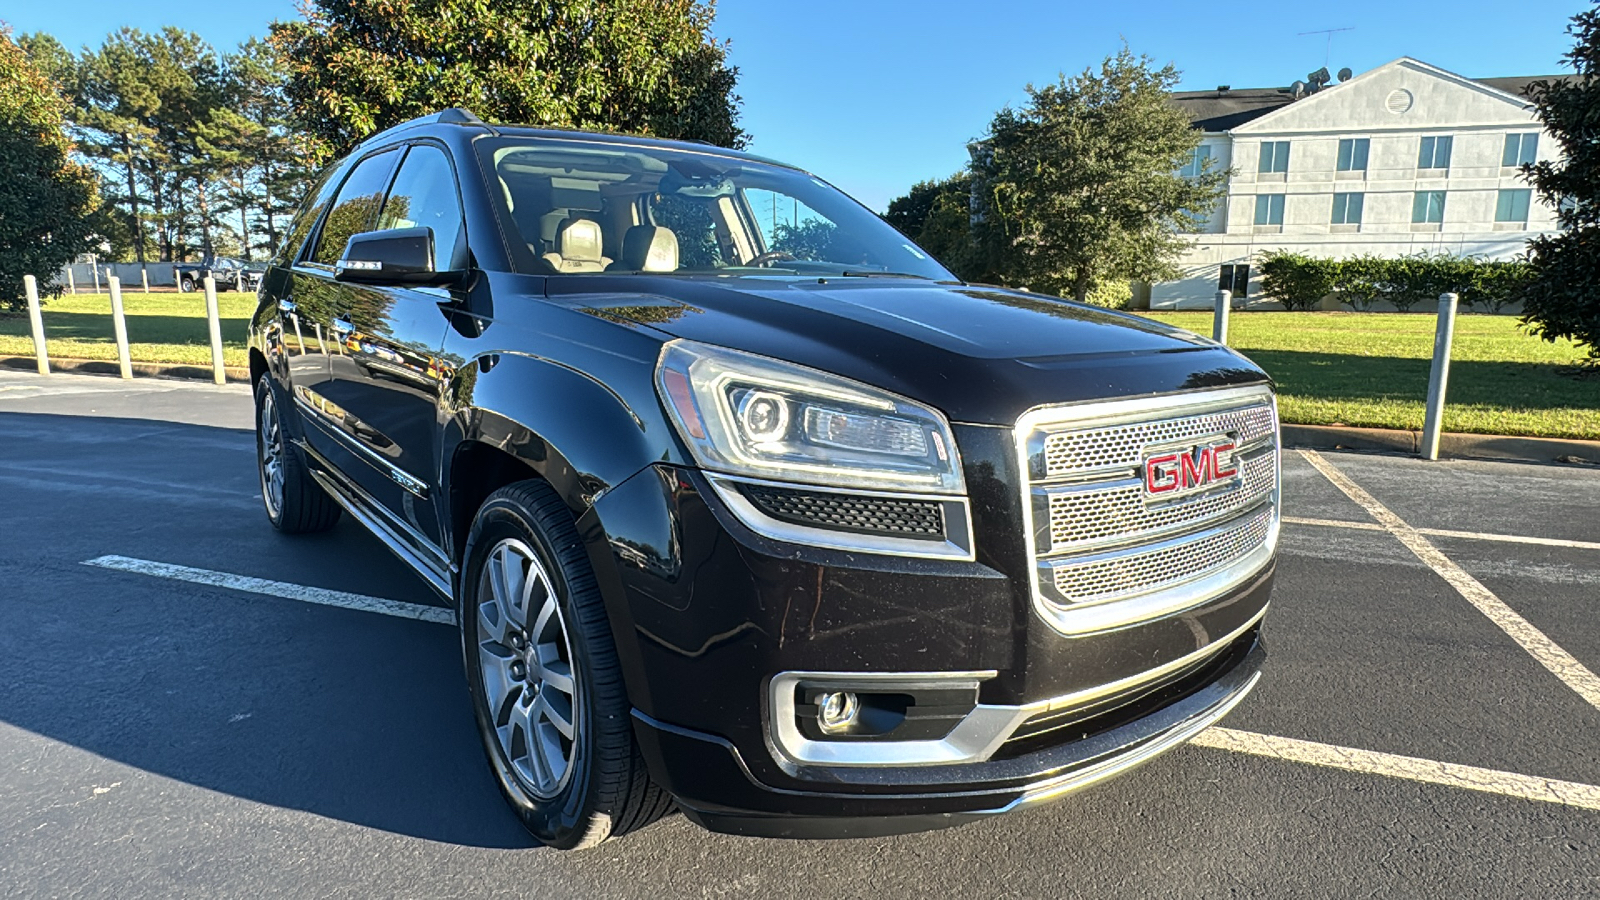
(1182, 471)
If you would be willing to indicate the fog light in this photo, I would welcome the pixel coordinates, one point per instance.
(836, 711)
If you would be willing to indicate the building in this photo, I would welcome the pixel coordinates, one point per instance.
(1403, 159)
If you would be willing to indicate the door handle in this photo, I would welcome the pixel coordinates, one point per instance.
(287, 306)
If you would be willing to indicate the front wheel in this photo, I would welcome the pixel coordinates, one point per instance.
(186, 285)
(544, 677)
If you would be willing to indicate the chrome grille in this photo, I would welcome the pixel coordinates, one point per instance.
(1122, 445)
(1088, 516)
(1125, 573)
(1107, 553)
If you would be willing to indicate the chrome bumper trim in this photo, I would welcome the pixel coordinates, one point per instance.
(974, 739)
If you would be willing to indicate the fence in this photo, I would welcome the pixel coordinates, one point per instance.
(83, 278)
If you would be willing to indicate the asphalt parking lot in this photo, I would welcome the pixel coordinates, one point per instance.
(212, 709)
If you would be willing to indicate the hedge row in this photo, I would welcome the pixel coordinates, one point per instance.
(1360, 282)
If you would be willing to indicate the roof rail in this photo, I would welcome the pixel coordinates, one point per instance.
(455, 115)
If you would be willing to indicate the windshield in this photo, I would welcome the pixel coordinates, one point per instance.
(586, 207)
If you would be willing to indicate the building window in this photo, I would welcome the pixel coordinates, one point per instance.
(1427, 206)
(1512, 205)
(1196, 165)
(1353, 154)
(1274, 156)
(1235, 278)
(1269, 209)
(1520, 149)
(1435, 153)
(1347, 209)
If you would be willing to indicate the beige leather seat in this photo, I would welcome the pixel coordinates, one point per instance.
(649, 248)
(578, 247)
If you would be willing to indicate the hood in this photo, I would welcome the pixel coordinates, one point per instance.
(981, 355)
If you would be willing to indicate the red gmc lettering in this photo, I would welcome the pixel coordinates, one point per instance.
(1183, 471)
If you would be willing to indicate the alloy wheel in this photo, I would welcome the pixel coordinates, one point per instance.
(269, 447)
(526, 662)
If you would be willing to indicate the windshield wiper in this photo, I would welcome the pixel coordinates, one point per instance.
(848, 274)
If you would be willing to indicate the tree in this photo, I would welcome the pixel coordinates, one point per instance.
(646, 66)
(1560, 300)
(45, 197)
(937, 215)
(1081, 186)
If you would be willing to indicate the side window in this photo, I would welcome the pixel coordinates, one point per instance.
(300, 227)
(355, 207)
(424, 194)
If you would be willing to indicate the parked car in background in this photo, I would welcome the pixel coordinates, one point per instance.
(781, 525)
(230, 274)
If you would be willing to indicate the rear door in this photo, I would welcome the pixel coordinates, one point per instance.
(388, 375)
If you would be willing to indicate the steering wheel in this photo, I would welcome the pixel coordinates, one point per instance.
(770, 257)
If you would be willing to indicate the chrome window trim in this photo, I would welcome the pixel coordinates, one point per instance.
(1108, 615)
(957, 544)
(974, 739)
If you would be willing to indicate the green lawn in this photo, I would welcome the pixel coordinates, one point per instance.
(1368, 369)
(1371, 369)
(169, 328)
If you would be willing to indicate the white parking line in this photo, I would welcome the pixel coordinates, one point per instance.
(1411, 768)
(1448, 533)
(1509, 784)
(303, 593)
(1547, 652)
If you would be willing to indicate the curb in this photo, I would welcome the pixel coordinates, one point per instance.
(233, 374)
(1451, 444)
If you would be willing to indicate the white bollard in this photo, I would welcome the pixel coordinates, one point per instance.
(144, 278)
(36, 322)
(1219, 323)
(219, 374)
(72, 286)
(1439, 376)
(95, 268)
(119, 324)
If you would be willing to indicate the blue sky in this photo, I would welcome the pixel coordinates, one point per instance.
(875, 95)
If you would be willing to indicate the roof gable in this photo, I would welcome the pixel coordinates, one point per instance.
(1403, 94)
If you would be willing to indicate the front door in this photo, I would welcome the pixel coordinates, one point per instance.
(387, 375)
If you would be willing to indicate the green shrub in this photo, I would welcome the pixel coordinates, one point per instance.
(1111, 294)
(1297, 281)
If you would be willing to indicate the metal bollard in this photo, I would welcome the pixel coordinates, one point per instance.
(36, 322)
(119, 324)
(1219, 324)
(218, 373)
(1439, 376)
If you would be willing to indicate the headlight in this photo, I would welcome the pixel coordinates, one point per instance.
(756, 417)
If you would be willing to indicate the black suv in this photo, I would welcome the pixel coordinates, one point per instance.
(743, 502)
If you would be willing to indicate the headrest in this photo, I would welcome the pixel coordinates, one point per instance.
(650, 248)
(579, 240)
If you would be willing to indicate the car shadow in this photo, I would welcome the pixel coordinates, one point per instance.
(345, 714)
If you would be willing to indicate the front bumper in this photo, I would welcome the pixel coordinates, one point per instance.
(707, 614)
(716, 789)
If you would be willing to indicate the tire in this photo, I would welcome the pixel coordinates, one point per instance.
(524, 535)
(295, 504)
(186, 285)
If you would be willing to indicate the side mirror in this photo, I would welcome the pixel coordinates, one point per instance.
(395, 256)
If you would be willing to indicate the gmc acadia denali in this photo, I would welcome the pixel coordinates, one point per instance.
(744, 504)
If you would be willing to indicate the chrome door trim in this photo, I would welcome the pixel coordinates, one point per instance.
(412, 484)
